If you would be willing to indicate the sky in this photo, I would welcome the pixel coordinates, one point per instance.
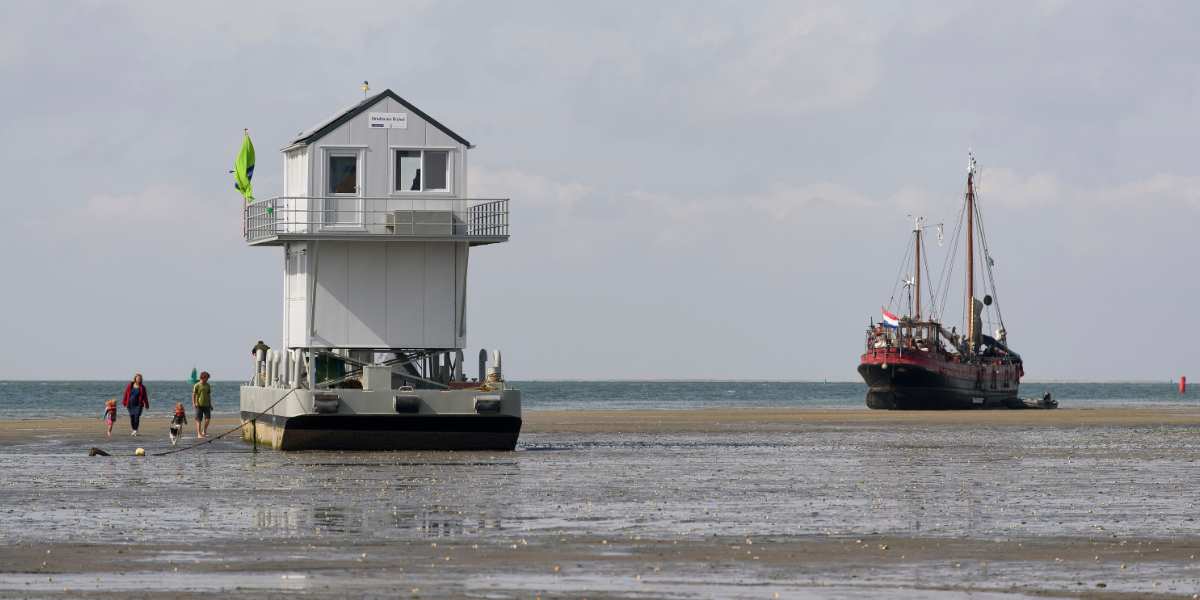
(698, 189)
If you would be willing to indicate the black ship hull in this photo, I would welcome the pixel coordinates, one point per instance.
(907, 386)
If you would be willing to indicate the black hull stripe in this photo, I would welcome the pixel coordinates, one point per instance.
(921, 389)
(393, 423)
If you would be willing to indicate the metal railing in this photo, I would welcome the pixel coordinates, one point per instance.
(342, 215)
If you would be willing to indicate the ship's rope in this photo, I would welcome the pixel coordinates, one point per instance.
(892, 304)
(991, 281)
(211, 440)
(933, 311)
(944, 280)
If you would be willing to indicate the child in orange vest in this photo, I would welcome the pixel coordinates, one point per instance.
(110, 413)
(178, 420)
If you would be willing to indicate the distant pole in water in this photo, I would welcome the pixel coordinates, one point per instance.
(1182, 385)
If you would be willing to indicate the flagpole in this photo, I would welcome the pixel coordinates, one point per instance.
(245, 203)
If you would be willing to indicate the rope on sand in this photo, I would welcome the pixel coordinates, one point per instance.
(244, 423)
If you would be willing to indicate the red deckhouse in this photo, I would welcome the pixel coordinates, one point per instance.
(913, 362)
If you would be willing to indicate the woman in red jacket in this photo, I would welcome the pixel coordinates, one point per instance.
(136, 399)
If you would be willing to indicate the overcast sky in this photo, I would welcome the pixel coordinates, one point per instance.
(699, 190)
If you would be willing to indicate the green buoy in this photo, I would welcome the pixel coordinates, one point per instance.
(194, 379)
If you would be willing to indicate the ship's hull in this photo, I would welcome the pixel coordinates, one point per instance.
(915, 380)
(368, 419)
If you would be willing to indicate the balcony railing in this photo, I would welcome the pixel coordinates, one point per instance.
(341, 215)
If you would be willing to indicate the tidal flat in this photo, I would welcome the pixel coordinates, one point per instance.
(622, 504)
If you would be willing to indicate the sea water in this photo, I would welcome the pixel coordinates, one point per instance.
(85, 399)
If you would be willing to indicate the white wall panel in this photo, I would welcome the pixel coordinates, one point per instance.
(436, 138)
(439, 294)
(297, 337)
(295, 180)
(337, 137)
(367, 279)
(406, 294)
(414, 136)
(377, 157)
(332, 297)
(461, 253)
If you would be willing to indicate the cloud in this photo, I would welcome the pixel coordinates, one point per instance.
(257, 21)
(1049, 7)
(1126, 214)
(157, 214)
(545, 210)
(818, 58)
(805, 222)
(793, 219)
(1163, 192)
(529, 190)
(12, 41)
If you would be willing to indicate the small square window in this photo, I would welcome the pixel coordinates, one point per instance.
(343, 174)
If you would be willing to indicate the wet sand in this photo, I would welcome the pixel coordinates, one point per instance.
(676, 504)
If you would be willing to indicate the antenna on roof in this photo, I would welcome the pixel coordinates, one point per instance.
(366, 88)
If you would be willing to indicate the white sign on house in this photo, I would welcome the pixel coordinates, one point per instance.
(389, 120)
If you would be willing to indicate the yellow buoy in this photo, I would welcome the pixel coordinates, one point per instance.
(139, 452)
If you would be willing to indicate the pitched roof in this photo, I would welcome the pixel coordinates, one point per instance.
(341, 117)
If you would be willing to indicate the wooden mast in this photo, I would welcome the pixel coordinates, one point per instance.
(917, 234)
(971, 252)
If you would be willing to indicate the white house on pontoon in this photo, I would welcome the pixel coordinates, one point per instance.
(377, 228)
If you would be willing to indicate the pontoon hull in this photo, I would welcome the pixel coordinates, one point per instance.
(367, 420)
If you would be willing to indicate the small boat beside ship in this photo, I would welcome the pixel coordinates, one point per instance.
(914, 362)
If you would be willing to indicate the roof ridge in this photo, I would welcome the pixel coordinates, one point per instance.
(340, 118)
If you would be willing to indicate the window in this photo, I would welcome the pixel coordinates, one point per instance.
(408, 170)
(422, 171)
(435, 170)
(343, 174)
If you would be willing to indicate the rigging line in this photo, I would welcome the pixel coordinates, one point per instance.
(244, 423)
(991, 283)
(943, 286)
(932, 299)
(948, 266)
(958, 194)
(953, 245)
(900, 275)
(991, 279)
(944, 277)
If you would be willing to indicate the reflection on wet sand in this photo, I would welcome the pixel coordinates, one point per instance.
(774, 502)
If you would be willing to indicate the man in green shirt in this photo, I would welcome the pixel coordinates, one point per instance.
(202, 400)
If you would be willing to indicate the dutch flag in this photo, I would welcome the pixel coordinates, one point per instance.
(890, 320)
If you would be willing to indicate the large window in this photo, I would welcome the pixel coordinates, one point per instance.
(422, 171)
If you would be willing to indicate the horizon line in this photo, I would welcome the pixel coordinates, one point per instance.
(645, 380)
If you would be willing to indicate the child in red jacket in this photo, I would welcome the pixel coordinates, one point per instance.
(110, 413)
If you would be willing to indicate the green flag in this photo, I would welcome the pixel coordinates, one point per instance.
(243, 171)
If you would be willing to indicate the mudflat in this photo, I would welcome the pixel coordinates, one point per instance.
(726, 421)
(622, 504)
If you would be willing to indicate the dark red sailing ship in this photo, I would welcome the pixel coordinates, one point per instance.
(914, 362)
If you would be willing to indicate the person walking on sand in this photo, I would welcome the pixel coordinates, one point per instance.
(136, 399)
(202, 400)
(110, 413)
